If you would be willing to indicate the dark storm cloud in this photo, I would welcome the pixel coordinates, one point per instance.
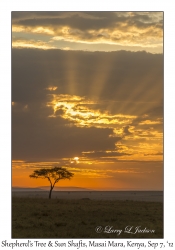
(106, 77)
(86, 20)
(154, 114)
(73, 21)
(118, 76)
(37, 137)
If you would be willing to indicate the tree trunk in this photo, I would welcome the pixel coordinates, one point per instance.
(50, 193)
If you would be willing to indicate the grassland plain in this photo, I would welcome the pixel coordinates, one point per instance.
(56, 218)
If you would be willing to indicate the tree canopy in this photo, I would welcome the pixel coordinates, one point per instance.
(52, 174)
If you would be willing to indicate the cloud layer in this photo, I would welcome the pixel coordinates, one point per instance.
(66, 104)
(70, 30)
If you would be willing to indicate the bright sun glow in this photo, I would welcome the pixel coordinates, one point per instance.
(76, 158)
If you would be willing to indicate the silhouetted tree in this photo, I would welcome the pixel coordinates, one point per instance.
(53, 175)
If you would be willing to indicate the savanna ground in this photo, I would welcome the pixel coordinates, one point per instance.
(56, 218)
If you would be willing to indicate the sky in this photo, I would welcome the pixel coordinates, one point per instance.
(87, 94)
